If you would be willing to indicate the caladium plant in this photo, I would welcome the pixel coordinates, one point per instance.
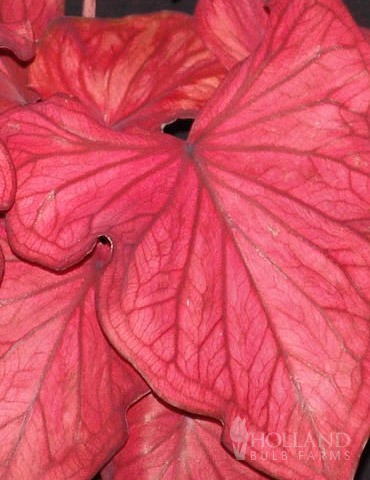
(191, 308)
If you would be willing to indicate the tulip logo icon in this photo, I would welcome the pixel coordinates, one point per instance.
(239, 436)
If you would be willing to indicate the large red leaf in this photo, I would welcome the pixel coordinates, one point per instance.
(147, 69)
(63, 389)
(249, 294)
(239, 279)
(78, 179)
(164, 444)
(231, 30)
(39, 13)
(7, 179)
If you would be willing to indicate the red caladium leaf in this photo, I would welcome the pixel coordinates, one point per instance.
(147, 69)
(7, 179)
(248, 296)
(231, 30)
(63, 389)
(165, 444)
(39, 13)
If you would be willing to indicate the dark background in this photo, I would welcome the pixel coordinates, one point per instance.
(360, 10)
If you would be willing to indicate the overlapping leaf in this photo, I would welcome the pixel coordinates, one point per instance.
(78, 179)
(231, 30)
(165, 444)
(63, 389)
(16, 37)
(38, 13)
(21, 23)
(147, 69)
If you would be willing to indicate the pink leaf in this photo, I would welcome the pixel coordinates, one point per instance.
(7, 179)
(63, 389)
(147, 69)
(231, 30)
(77, 178)
(164, 444)
(38, 12)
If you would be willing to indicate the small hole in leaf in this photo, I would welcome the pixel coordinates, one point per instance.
(363, 471)
(180, 128)
(103, 252)
(104, 240)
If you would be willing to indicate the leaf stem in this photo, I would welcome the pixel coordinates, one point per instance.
(89, 8)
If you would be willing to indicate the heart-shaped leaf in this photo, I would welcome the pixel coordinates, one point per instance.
(141, 69)
(165, 444)
(241, 299)
(63, 389)
(231, 30)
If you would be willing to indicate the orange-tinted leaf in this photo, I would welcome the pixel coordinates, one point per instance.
(142, 69)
